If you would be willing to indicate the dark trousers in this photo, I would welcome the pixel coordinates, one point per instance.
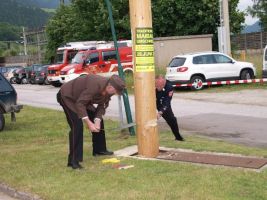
(76, 134)
(172, 122)
(99, 138)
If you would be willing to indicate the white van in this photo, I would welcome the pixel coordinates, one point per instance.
(264, 67)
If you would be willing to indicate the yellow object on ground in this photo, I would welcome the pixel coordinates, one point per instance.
(110, 160)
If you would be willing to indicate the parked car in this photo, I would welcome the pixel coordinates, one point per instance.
(197, 68)
(33, 69)
(41, 75)
(264, 67)
(21, 76)
(8, 101)
(10, 73)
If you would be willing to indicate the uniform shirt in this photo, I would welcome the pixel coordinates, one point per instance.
(164, 97)
(82, 93)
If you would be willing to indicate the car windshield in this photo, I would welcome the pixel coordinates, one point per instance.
(39, 68)
(176, 62)
(60, 57)
(78, 58)
(36, 67)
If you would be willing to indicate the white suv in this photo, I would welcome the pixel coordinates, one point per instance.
(201, 67)
(264, 69)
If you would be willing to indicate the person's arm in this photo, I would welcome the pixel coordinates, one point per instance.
(166, 100)
(81, 103)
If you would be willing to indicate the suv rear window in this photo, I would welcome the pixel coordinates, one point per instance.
(5, 85)
(176, 62)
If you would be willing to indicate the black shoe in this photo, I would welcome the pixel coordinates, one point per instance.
(103, 153)
(180, 139)
(75, 165)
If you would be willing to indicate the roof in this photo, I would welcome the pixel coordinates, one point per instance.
(197, 53)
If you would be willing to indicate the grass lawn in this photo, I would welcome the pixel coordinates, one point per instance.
(33, 154)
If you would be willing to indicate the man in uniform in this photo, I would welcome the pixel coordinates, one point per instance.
(164, 93)
(78, 98)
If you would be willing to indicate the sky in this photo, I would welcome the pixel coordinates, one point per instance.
(243, 4)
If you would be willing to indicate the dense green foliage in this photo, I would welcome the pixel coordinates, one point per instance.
(16, 14)
(259, 9)
(9, 32)
(88, 20)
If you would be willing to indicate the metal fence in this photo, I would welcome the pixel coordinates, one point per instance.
(249, 41)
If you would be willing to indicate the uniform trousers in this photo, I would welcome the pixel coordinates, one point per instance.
(172, 122)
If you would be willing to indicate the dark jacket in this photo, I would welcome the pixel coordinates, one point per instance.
(164, 98)
(83, 92)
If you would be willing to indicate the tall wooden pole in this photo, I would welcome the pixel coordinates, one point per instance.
(227, 25)
(144, 78)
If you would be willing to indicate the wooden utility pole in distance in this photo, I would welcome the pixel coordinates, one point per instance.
(144, 78)
(226, 23)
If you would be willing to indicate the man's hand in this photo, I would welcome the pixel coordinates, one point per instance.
(90, 125)
(159, 114)
(97, 123)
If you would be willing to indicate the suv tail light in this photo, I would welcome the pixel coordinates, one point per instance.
(182, 69)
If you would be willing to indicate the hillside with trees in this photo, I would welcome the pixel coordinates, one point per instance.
(41, 3)
(17, 14)
(259, 9)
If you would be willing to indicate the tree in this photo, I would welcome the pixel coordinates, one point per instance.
(9, 32)
(259, 9)
(88, 19)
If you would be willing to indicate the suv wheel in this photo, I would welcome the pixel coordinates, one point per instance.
(246, 74)
(46, 82)
(24, 81)
(197, 83)
(56, 84)
(2, 121)
(13, 80)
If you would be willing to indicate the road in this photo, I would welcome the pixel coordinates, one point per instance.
(238, 117)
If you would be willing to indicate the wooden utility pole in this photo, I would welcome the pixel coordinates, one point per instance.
(225, 6)
(144, 78)
(24, 41)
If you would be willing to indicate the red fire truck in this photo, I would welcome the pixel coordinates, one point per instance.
(99, 61)
(64, 56)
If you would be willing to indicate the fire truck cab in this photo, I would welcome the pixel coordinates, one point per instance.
(264, 68)
(99, 61)
(64, 56)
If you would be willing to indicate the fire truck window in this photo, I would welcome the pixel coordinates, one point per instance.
(93, 57)
(109, 55)
(71, 55)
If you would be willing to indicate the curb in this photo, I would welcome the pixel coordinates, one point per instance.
(17, 194)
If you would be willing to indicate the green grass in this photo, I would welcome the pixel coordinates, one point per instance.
(33, 154)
